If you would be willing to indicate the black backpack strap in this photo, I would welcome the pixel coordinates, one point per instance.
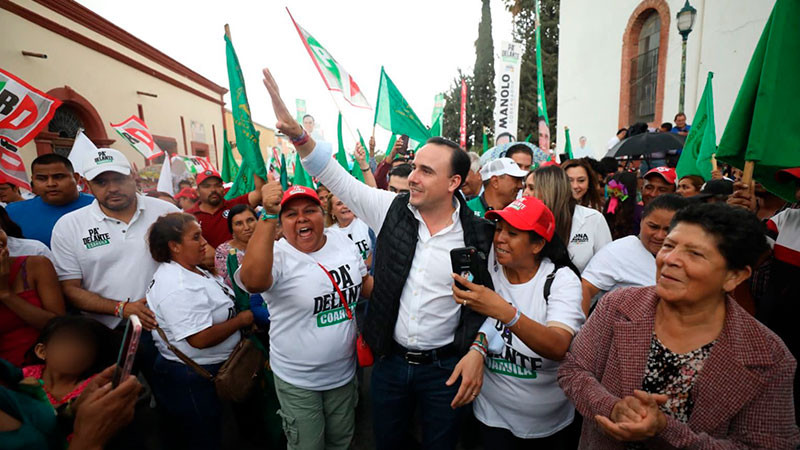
(548, 283)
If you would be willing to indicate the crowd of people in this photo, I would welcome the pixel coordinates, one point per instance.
(606, 305)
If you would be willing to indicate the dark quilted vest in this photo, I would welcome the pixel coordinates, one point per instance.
(394, 253)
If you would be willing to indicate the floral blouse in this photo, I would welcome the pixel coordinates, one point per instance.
(674, 374)
(221, 261)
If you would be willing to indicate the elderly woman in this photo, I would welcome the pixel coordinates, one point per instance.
(309, 279)
(681, 364)
(241, 223)
(195, 310)
(534, 311)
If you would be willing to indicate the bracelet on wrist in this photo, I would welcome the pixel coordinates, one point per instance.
(365, 170)
(513, 321)
(300, 140)
(267, 216)
(478, 349)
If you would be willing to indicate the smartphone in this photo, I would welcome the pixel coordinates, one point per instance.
(465, 262)
(127, 351)
(403, 148)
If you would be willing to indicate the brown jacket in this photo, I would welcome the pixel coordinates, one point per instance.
(742, 396)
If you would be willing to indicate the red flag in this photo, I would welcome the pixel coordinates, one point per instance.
(138, 135)
(24, 110)
(12, 169)
(463, 128)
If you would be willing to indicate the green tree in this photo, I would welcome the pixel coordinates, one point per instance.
(524, 27)
(480, 106)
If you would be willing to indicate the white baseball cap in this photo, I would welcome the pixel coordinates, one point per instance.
(502, 166)
(105, 160)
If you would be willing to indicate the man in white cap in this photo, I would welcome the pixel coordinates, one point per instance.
(502, 181)
(101, 253)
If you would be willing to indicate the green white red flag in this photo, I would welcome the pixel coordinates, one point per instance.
(333, 74)
(138, 135)
(24, 110)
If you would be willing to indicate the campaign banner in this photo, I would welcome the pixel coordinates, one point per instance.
(24, 110)
(506, 87)
(138, 135)
(12, 169)
(462, 129)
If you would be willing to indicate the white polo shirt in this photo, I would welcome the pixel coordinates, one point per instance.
(111, 257)
(588, 235)
(622, 263)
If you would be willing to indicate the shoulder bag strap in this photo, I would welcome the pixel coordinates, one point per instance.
(339, 291)
(182, 356)
(548, 283)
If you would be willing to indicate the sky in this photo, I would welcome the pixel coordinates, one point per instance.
(422, 44)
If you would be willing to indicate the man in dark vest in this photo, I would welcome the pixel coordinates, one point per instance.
(419, 334)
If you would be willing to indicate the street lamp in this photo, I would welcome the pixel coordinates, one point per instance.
(686, 18)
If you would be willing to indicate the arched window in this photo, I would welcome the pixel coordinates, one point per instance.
(65, 123)
(644, 71)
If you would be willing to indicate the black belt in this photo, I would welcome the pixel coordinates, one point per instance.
(417, 357)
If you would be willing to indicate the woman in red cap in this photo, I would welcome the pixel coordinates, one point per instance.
(309, 279)
(533, 314)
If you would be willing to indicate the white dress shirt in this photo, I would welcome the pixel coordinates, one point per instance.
(428, 314)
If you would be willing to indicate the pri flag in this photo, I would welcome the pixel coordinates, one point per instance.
(24, 110)
(136, 133)
(333, 74)
(12, 169)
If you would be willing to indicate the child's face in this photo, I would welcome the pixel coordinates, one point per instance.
(66, 354)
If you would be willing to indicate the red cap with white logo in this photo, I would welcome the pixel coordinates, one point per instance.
(527, 214)
(300, 192)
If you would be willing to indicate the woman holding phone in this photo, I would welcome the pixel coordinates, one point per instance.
(196, 312)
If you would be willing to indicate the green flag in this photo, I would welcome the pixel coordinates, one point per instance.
(436, 128)
(393, 113)
(301, 177)
(485, 141)
(284, 173)
(764, 125)
(528, 139)
(701, 143)
(568, 143)
(229, 166)
(438, 109)
(341, 154)
(245, 132)
(541, 102)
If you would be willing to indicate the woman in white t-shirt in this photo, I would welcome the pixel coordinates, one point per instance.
(312, 335)
(341, 218)
(196, 312)
(533, 314)
(631, 260)
(584, 230)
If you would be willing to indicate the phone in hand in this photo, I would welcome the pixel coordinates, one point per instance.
(466, 262)
(403, 148)
(127, 351)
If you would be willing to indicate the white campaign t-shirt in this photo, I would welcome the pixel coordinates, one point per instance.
(358, 232)
(22, 247)
(520, 391)
(622, 263)
(109, 256)
(186, 303)
(312, 341)
(588, 235)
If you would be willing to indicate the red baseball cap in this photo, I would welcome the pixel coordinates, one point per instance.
(667, 173)
(787, 175)
(187, 192)
(300, 192)
(206, 174)
(528, 214)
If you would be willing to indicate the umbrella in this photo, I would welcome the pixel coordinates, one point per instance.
(647, 143)
(499, 151)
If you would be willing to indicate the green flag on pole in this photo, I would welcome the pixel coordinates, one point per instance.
(301, 177)
(438, 108)
(485, 141)
(567, 143)
(541, 102)
(393, 113)
(701, 143)
(245, 132)
(436, 128)
(764, 125)
(341, 154)
(284, 173)
(229, 166)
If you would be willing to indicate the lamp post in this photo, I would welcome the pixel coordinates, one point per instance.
(686, 18)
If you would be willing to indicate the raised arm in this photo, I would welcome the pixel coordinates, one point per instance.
(361, 158)
(255, 272)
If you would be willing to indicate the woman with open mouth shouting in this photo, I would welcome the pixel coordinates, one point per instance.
(533, 314)
(309, 279)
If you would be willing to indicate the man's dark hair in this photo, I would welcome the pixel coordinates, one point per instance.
(621, 130)
(52, 158)
(402, 171)
(637, 128)
(738, 233)
(678, 115)
(595, 165)
(666, 126)
(609, 165)
(669, 202)
(186, 183)
(459, 160)
(519, 148)
(235, 211)
(308, 115)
